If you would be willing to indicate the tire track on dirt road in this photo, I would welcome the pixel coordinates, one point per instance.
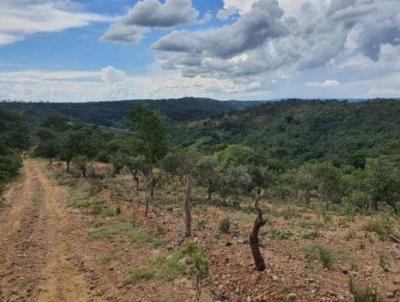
(43, 253)
(66, 274)
(62, 279)
(14, 222)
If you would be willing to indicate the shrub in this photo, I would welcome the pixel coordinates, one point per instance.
(81, 163)
(282, 234)
(224, 226)
(326, 256)
(363, 293)
(350, 235)
(381, 226)
(139, 275)
(358, 199)
(384, 262)
(310, 234)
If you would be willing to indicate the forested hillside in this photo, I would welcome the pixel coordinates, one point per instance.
(302, 190)
(289, 133)
(113, 114)
(14, 137)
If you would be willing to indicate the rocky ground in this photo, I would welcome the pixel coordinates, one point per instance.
(65, 239)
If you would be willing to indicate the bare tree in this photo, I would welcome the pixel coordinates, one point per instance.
(254, 243)
(188, 205)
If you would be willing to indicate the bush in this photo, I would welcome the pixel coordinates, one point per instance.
(359, 200)
(282, 234)
(326, 256)
(224, 226)
(81, 163)
(384, 262)
(363, 293)
(168, 266)
(381, 226)
(310, 234)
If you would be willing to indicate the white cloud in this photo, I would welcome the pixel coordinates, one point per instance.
(287, 36)
(379, 92)
(147, 14)
(111, 75)
(20, 19)
(327, 83)
(110, 83)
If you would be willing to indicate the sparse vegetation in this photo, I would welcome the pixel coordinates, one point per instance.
(125, 231)
(282, 234)
(363, 292)
(224, 226)
(381, 226)
(326, 256)
(211, 176)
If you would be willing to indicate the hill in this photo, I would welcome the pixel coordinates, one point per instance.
(111, 114)
(289, 133)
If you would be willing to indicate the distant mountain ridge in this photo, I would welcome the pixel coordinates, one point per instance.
(112, 113)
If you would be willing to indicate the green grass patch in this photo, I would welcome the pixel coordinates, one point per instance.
(79, 198)
(310, 234)
(282, 234)
(26, 282)
(37, 195)
(326, 256)
(169, 266)
(381, 226)
(126, 232)
(106, 259)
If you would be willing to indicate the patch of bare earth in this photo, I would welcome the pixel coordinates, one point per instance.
(42, 259)
(48, 253)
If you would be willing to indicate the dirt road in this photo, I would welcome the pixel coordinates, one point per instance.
(40, 254)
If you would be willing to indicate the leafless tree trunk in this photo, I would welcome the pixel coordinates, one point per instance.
(254, 244)
(150, 186)
(209, 191)
(188, 206)
(137, 182)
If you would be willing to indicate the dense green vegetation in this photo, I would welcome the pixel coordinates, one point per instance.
(288, 134)
(113, 114)
(344, 154)
(329, 155)
(14, 137)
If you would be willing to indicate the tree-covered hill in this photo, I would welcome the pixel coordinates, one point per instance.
(14, 137)
(113, 114)
(289, 133)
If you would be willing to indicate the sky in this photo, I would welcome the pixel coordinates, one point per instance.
(93, 50)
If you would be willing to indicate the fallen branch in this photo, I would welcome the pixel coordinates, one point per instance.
(394, 238)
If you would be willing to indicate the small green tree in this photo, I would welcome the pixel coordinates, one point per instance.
(138, 167)
(384, 181)
(81, 163)
(197, 265)
(207, 173)
(183, 163)
(153, 137)
(47, 145)
(79, 140)
(235, 155)
(260, 178)
(234, 180)
(328, 179)
(118, 161)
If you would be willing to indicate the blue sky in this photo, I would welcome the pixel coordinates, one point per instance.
(70, 50)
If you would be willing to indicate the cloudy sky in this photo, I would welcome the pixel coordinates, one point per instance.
(89, 50)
